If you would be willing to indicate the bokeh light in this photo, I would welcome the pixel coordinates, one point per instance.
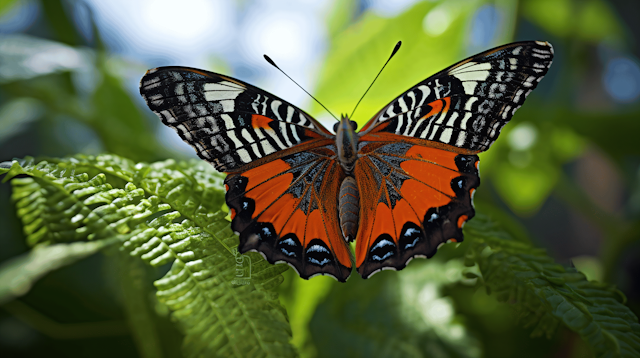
(622, 79)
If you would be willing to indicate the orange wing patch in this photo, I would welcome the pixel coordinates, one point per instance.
(441, 105)
(258, 121)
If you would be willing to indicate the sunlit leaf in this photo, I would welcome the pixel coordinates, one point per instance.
(524, 188)
(359, 52)
(592, 20)
(400, 314)
(23, 57)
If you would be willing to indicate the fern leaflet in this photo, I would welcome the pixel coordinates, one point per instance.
(545, 293)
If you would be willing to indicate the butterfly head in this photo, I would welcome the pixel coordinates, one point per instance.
(344, 117)
(346, 142)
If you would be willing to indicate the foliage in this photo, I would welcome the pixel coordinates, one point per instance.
(167, 212)
(164, 213)
(164, 222)
(545, 293)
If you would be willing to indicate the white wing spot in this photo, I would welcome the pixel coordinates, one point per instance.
(244, 155)
(445, 137)
(462, 135)
(228, 122)
(469, 87)
(228, 105)
(470, 101)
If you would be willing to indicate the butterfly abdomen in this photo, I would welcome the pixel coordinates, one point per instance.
(349, 208)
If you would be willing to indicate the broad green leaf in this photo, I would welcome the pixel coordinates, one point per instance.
(525, 164)
(18, 275)
(302, 298)
(6, 6)
(591, 20)
(58, 19)
(15, 115)
(395, 314)
(432, 35)
(135, 287)
(120, 124)
(524, 189)
(23, 57)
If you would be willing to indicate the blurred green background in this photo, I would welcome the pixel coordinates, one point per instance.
(565, 172)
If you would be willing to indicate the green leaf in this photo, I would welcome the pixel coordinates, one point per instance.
(20, 273)
(23, 57)
(592, 20)
(168, 213)
(58, 20)
(395, 314)
(135, 287)
(15, 115)
(6, 6)
(546, 294)
(525, 189)
(359, 52)
(121, 125)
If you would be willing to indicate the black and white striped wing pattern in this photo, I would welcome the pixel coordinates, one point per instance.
(228, 122)
(467, 104)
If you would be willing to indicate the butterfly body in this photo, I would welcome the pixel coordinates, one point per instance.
(401, 186)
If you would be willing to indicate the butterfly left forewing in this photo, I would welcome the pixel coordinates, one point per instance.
(229, 123)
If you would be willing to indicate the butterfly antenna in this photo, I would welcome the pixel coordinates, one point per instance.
(276, 66)
(395, 49)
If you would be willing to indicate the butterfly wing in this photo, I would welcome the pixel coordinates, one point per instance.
(418, 169)
(467, 104)
(287, 209)
(282, 183)
(413, 199)
(229, 123)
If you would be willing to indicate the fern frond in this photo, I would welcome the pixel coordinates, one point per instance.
(546, 294)
(169, 213)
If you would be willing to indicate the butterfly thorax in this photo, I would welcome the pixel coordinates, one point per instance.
(346, 143)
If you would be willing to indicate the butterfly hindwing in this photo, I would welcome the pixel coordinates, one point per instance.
(287, 210)
(228, 122)
(413, 199)
(467, 104)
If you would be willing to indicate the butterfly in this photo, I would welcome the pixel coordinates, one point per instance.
(400, 187)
